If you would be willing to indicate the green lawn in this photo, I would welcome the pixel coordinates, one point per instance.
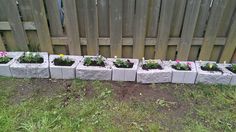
(57, 105)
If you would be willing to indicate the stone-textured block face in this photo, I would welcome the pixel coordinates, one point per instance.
(93, 72)
(5, 68)
(233, 75)
(154, 75)
(64, 72)
(181, 76)
(212, 77)
(124, 74)
(28, 70)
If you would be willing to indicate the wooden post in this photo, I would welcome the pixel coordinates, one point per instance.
(167, 8)
(116, 27)
(72, 27)
(41, 24)
(2, 47)
(190, 21)
(140, 28)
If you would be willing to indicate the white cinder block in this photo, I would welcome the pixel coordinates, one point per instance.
(233, 75)
(212, 77)
(64, 72)
(5, 68)
(154, 75)
(182, 76)
(124, 74)
(93, 72)
(31, 70)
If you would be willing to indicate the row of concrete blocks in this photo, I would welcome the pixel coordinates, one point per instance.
(110, 72)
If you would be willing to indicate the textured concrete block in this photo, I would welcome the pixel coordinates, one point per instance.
(64, 72)
(233, 75)
(124, 74)
(5, 68)
(154, 75)
(181, 76)
(28, 70)
(211, 77)
(93, 72)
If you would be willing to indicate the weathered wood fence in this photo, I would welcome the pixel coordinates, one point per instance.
(166, 29)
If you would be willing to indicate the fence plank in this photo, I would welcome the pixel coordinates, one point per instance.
(128, 17)
(194, 50)
(230, 44)
(178, 17)
(2, 47)
(167, 8)
(202, 18)
(103, 18)
(226, 19)
(116, 27)
(54, 17)
(212, 28)
(41, 24)
(92, 27)
(153, 17)
(72, 27)
(190, 21)
(216, 51)
(81, 11)
(16, 25)
(171, 52)
(140, 28)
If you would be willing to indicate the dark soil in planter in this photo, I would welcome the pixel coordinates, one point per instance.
(181, 69)
(40, 60)
(144, 67)
(212, 69)
(94, 63)
(130, 65)
(5, 62)
(59, 62)
(231, 69)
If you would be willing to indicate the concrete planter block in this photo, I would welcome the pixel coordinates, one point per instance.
(154, 75)
(182, 76)
(124, 74)
(93, 72)
(233, 78)
(28, 70)
(64, 72)
(5, 68)
(212, 77)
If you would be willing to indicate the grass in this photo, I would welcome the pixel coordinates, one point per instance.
(199, 108)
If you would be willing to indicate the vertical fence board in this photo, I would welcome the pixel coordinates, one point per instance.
(72, 27)
(2, 47)
(92, 27)
(16, 25)
(103, 18)
(127, 51)
(194, 50)
(140, 28)
(128, 16)
(116, 27)
(81, 11)
(164, 28)
(54, 18)
(41, 24)
(26, 13)
(171, 53)
(212, 29)
(149, 52)
(190, 21)
(233, 60)
(216, 51)
(178, 17)
(202, 18)
(153, 17)
(230, 44)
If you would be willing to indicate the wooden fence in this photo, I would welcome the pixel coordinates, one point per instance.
(165, 29)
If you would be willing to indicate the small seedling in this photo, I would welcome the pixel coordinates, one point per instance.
(151, 64)
(182, 66)
(63, 61)
(123, 63)
(30, 57)
(4, 58)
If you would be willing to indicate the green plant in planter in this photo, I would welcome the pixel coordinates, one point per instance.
(151, 64)
(123, 63)
(182, 66)
(30, 57)
(232, 68)
(94, 61)
(4, 58)
(210, 67)
(63, 61)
